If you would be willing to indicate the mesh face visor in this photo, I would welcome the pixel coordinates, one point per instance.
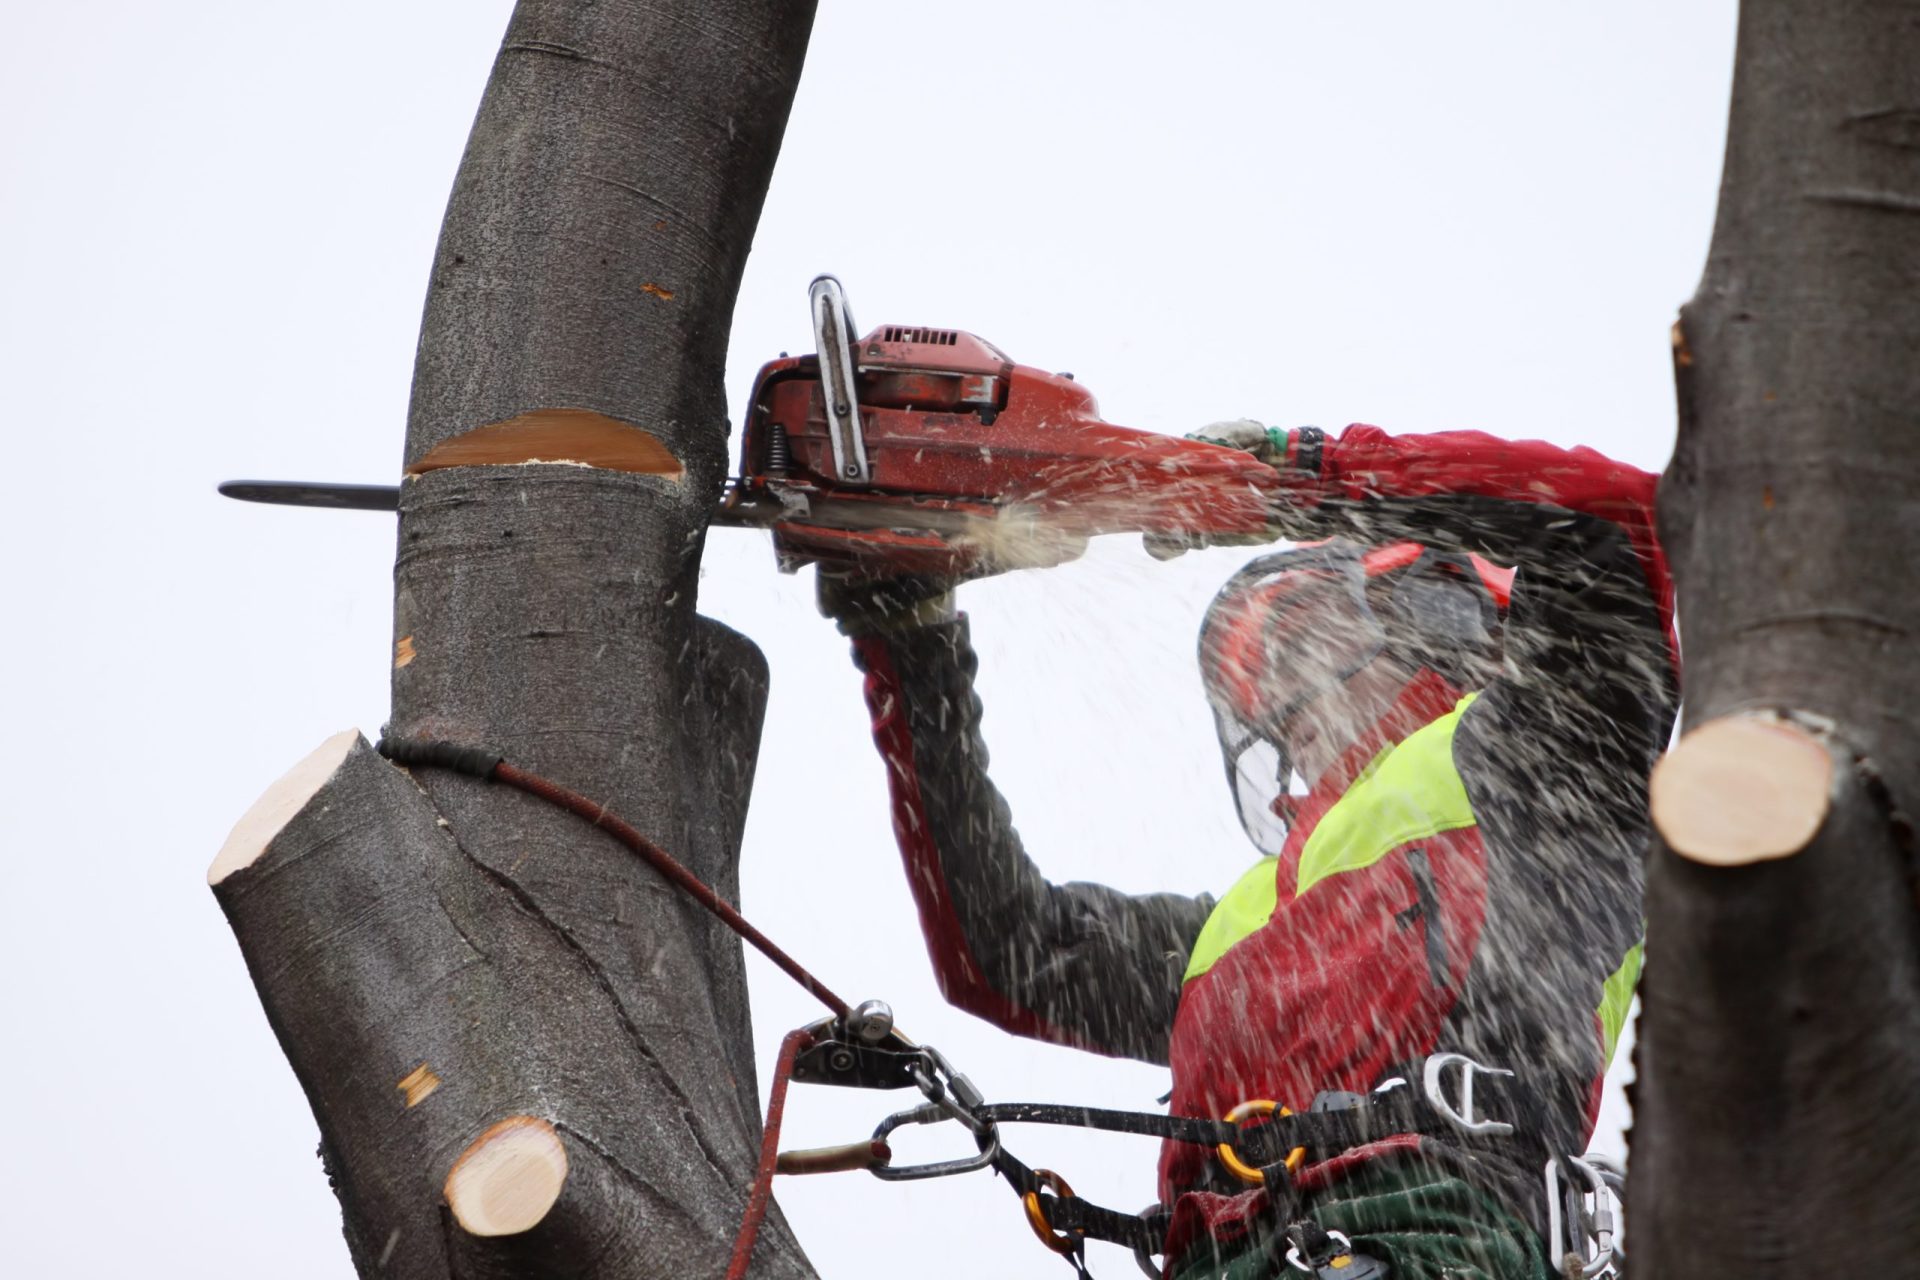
(1283, 631)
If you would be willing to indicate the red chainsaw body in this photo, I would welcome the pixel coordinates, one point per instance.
(973, 462)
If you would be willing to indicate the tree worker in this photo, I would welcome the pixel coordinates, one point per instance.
(1462, 873)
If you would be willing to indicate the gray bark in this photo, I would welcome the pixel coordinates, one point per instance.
(1779, 1041)
(590, 258)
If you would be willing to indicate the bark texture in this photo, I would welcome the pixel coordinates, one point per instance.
(1779, 1042)
(590, 258)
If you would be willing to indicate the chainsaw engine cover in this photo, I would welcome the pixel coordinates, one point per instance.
(974, 463)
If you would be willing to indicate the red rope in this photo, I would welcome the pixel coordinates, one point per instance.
(670, 867)
(769, 1155)
(665, 863)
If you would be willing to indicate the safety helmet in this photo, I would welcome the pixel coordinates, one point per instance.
(1291, 625)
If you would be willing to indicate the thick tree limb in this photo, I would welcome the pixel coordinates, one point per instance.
(1779, 1043)
(439, 956)
(386, 957)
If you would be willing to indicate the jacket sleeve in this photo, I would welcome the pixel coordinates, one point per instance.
(1075, 964)
(1590, 618)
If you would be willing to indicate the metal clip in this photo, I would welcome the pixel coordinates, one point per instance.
(950, 1096)
(951, 1091)
(833, 339)
(862, 1051)
(1343, 1246)
(931, 1113)
(1570, 1227)
(1461, 1118)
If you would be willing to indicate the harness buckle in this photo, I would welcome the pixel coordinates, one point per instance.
(1329, 1255)
(1433, 1083)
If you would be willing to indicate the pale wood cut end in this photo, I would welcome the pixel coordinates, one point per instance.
(507, 1180)
(578, 436)
(277, 805)
(1742, 789)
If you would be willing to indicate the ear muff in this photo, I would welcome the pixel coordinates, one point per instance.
(1443, 613)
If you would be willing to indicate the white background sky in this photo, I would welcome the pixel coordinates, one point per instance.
(217, 222)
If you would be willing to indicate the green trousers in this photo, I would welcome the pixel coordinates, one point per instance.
(1425, 1224)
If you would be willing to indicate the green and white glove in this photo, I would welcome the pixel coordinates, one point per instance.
(1268, 444)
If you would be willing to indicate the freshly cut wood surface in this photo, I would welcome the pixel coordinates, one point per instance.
(277, 805)
(509, 1178)
(579, 436)
(1742, 789)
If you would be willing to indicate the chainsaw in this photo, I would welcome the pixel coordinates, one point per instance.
(917, 450)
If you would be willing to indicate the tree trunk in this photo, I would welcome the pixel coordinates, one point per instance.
(1779, 1041)
(527, 1054)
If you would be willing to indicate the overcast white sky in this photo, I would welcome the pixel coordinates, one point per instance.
(218, 219)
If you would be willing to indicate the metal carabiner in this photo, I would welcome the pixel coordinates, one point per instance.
(1562, 1193)
(1058, 1241)
(932, 1113)
(950, 1091)
(1462, 1118)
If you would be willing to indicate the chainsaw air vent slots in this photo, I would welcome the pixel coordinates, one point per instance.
(924, 337)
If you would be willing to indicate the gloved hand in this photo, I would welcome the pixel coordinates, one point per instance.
(874, 597)
(862, 605)
(1268, 444)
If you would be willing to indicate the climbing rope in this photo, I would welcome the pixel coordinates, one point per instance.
(480, 763)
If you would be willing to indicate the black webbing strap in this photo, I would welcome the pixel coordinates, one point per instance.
(1264, 1145)
(1381, 1115)
(1142, 1233)
(1194, 1129)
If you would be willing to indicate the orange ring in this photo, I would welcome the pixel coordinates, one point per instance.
(1061, 1242)
(1240, 1168)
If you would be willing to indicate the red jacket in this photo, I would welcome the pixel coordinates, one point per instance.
(1503, 933)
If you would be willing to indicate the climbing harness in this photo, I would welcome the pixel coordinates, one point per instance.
(1260, 1142)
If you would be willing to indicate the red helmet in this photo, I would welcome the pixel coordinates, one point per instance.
(1291, 625)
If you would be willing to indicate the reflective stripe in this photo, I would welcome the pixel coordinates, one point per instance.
(1241, 911)
(1409, 792)
(1616, 997)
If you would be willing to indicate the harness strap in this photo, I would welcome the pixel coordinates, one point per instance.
(1369, 1118)
(1074, 1215)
